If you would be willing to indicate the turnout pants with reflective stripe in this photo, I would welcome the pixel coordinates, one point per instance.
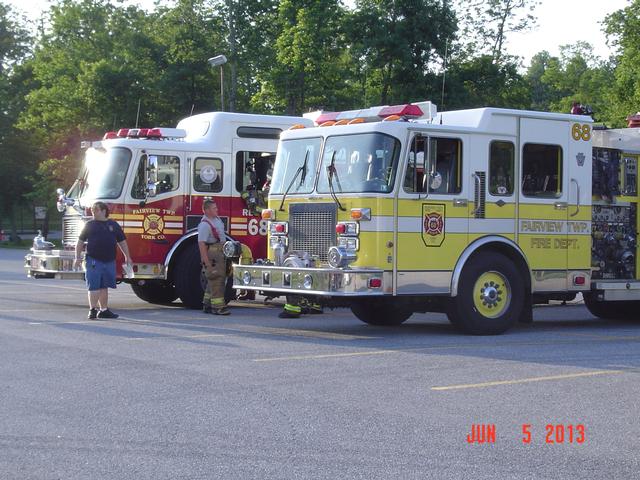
(216, 276)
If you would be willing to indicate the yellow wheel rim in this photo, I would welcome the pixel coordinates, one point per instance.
(491, 294)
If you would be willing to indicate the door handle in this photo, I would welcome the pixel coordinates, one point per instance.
(560, 205)
(476, 201)
(460, 202)
(577, 198)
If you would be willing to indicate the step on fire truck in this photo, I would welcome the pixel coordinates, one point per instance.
(154, 182)
(476, 213)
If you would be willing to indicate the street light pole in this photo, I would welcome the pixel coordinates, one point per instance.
(222, 88)
(219, 61)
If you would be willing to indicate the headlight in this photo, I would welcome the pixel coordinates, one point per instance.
(350, 243)
(276, 240)
(308, 281)
(278, 228)
(347, 228)
(246, 277)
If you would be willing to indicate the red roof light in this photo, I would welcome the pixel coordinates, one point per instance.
(123, 132)
(327, 117)
(407, 110)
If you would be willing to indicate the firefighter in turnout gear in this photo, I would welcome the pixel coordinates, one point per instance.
(297, 305)
(210, 240)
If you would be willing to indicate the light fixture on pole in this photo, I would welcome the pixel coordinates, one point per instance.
(219, 61)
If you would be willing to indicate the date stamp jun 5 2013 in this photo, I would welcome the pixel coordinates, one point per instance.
(551, 434)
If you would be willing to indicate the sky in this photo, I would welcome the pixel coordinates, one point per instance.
(560, 22)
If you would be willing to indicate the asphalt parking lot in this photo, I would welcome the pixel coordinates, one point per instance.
(164, 392)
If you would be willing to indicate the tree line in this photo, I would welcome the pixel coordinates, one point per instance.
(89, 66)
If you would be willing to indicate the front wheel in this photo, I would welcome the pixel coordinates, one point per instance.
(490, 296)
(189, 279)
(387, 313)
(155, 292)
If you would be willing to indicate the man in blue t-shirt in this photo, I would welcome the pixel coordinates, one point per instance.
(101, 235)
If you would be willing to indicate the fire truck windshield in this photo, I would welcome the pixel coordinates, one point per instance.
(104, 173)
(360, 163)
(291, 157)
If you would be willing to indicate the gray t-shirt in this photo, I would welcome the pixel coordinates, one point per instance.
(204, 230)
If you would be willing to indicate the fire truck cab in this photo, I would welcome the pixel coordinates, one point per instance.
(154, 182)
(477, 213)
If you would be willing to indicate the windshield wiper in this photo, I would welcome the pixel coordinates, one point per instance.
(301, 169)
(331, 171)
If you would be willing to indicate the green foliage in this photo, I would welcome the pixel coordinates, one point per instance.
(480, 82)
(488, 22)
(623, 31)
(576, 76)
(307, 61)
(398, 44)
(17, 157)
(98, 65)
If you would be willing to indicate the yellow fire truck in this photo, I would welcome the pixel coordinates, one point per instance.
(477, 213)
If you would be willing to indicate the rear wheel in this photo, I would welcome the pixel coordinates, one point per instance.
(386, 313)
(155, 292)
(189, 279)
(625, 310)
(490, 296)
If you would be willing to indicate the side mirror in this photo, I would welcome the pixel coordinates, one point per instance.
(151, 189)
(60, 191)
(152, 176)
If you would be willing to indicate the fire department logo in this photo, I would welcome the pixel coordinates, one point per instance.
(433, 224)
(153, 224)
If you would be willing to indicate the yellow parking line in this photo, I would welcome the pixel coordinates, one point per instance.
(48, 285)
(329, 355)
(601, 336)
(304, 333)
(527, 380)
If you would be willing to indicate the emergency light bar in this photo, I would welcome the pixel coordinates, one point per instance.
(422, 110)
(150, 133)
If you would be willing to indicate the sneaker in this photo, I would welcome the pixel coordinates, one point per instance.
(93, 314)
(285, 314)
(207, 309)
(221, 311)
(107, 314)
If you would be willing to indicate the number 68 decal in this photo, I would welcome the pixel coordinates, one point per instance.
(581, 132)
(257, 227)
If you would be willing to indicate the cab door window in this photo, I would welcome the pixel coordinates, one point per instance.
(501, 161)
(162, 171)
(254, 171)
(415, 180)
(207, 175)
(542, 170)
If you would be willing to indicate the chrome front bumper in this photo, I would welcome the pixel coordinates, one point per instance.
(311, 281)
(52, 264)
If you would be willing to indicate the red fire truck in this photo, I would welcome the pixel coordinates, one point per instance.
(154, 182)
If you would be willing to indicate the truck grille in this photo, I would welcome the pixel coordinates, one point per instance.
(71, 228)
(312, 228)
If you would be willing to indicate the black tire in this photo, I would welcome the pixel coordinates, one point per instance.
(155, 292)
(625, 310)
(229, 292)
(188, 278)
(499, 277)
(385, 313)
